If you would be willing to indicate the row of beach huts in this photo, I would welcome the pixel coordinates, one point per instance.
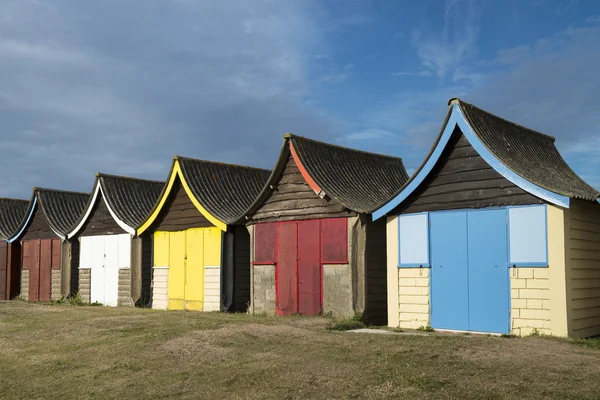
(492, 233)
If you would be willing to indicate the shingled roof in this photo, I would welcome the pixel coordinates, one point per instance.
(225, 190)
(61, 208)
(359, 180)
(130, 199)
(526, 152)
(12, 212)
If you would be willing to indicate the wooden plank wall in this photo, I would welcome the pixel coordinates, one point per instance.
(462, 179)
(38, 227)
(14, 262)
(583, 263)
(4, 271)
(179, 213)
(100, 222)
(376, 272)
(293, 199)
(242, 268)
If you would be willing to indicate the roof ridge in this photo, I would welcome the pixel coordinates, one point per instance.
(102, 175)
(40, 189)
(177, 157)
(290, 135)
(13, 199)
(456, 100)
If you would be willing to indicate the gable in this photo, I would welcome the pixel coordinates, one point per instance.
(38, 227)
(293, 199)
(179, 213)
(100, 221)
(463, 179)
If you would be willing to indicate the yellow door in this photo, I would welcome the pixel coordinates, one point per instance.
(212, 247)
(194, 285)
(176, 280)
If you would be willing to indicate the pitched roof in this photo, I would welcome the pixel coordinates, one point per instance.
(528, 153)
(225, 190)
(359, 180)
(12, 212)
(61, 208)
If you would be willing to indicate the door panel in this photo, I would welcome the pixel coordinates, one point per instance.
(161, 249)
(34, 270)
(449, 271)
(176, 263)
(56, 250)
(45, 269)
(309, 268)
(489, 301)
(4, 271)
(97, 259)
(286, 272)
(194, 269)
(111, 270)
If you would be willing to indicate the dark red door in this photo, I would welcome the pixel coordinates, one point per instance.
(45, 269)
(286, 268)
(4, 275)
(31, 261)
(309, 268)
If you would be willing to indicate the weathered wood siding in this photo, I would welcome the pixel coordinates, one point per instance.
(14, 265)
(583, 264)
(462, 179)
(70, 267)
(38, 227)
(376, 272)
(100, 222)
(242, 268)
(293, 199)
(179, 213)
(141, 270)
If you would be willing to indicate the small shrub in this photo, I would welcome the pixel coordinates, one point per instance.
(19, 298)
(328, 314)
(508, 336)
(348, 324)
(74, 300)
(426, 329)
(534, 333)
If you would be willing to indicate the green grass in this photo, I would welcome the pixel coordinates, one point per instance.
(67, 352)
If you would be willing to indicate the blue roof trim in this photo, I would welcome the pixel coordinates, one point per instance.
(31, 211)
(457, 119)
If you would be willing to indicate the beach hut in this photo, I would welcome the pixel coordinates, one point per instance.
(494, 233)
(201, 257)
(12, 212)
(314, 247)
(48, 259)
(114, 263)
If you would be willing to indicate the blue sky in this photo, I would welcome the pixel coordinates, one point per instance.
(120, 86)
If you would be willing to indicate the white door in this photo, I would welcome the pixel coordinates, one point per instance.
(97, 280)
(111, 270)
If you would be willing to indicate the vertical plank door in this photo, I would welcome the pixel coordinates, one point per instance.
(97, 260)
(45, 290)
(34, 270)
(286, 268)
(194, 269)
(309, 268)
(489, 289)
(4, 278)
(176, 277)
(111, 270)
(449, 270)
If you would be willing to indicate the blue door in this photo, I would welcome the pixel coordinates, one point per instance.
(489, 291)
(449, 272)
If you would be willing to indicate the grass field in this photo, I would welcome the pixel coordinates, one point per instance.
(98, 352)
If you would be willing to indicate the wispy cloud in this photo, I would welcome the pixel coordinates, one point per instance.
(443, 52)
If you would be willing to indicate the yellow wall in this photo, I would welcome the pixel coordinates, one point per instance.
(583, 260)
(392, 271)
(186, 254)
(530, 300)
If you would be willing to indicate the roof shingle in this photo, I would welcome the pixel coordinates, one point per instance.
(62, 209)
(225, 190)
(526, 152)
(131, 199)
(12, 213)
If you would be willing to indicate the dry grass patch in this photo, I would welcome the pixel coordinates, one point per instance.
(99, 352)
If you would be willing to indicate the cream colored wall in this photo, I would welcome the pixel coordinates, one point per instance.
(159, 287)
(25, 284)
(530, 301)
(583, 261)
(56, 279)
(408, 288)
(212, 288)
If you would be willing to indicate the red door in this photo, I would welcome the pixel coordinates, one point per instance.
(286, 269)
(39, 257)
(309, 268)
(4, 278)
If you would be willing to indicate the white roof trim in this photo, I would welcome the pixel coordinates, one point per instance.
(122, 224)
(28, 220)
